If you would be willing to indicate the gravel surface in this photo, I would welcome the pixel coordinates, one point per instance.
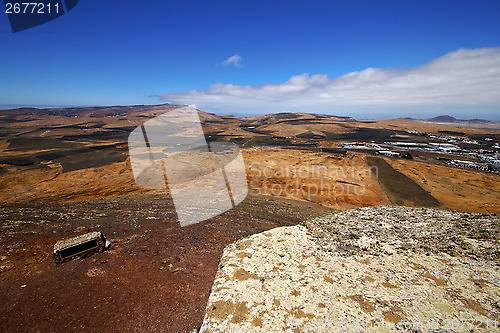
(388, 229)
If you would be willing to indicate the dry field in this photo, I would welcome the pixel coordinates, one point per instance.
(458, 189)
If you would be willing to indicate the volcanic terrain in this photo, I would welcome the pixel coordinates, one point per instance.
(65, 172)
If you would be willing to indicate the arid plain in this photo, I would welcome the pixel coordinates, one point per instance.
(68, 154)
(64, 172)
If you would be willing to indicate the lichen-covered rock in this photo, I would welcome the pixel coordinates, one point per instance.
(282, 280)
(388, 229)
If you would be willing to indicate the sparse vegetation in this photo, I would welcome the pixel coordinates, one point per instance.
(402, 229)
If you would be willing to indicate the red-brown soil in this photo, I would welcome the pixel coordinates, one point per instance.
(156, 277)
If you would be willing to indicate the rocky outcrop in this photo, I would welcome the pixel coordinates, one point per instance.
(370, 269)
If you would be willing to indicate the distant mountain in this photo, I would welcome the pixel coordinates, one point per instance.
(295, 117)
(90, 111)
(479, 121)
(450, 119)
(443, 119)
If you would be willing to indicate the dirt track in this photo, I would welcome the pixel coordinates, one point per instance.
(157, 276)
(400, 189)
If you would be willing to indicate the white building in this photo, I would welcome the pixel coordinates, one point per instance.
(388, 153)
(446, 147)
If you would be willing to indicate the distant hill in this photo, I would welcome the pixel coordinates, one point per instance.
(450, 119)
(443, 119)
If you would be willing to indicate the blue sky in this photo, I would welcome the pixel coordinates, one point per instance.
(147, 52)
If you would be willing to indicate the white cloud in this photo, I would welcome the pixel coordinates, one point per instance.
(466, 77)
(234, 60)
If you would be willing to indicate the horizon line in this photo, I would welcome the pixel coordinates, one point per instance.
(9, 107)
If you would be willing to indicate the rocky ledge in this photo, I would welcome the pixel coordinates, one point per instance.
(366, 270)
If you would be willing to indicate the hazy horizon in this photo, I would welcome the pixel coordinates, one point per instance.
(4, 107)
(362, 59)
